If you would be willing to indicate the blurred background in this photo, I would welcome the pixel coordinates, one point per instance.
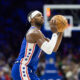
(63, 65)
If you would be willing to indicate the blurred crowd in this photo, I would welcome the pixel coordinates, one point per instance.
(68, 59)
(69, 67)
(13, 26)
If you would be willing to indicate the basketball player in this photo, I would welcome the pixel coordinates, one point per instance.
(34, 41)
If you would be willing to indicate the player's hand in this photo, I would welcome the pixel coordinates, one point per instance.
(53, 27)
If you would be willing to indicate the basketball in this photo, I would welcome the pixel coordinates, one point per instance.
(60, 22)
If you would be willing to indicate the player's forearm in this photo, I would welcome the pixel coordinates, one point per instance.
(48, 47)
(58, 41)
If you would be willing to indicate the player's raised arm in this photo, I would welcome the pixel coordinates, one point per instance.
(37, 37)
(58, 24)
(60, 35)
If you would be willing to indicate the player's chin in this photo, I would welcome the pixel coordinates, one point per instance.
(42, 22)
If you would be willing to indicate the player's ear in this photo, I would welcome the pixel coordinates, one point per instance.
(32, 20)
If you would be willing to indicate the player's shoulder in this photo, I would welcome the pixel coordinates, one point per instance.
(33, 35)
(34, 32)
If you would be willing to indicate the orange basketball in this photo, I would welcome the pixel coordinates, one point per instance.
(60, 22)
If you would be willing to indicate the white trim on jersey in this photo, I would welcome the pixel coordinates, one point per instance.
(30, 48)
(24, 72)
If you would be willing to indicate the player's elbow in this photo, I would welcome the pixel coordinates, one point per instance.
(54, 50)
(49, 52)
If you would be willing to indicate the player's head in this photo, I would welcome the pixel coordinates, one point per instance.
(35, 17)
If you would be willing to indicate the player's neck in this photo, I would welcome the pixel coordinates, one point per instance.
(38, 27)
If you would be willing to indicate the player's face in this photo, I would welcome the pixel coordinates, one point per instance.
(39, 20)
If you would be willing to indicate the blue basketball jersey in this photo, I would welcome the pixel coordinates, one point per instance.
(29, 53)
